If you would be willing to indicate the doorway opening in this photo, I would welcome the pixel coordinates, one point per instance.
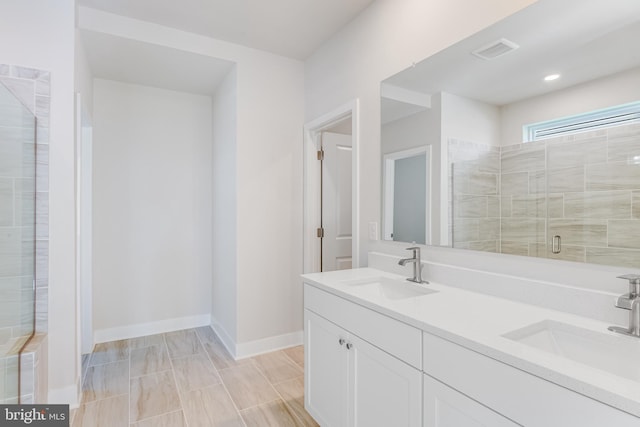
(331, 191)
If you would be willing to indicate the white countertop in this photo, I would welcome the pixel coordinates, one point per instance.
(478, 321)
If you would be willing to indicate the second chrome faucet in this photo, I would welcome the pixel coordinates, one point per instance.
(417, 265)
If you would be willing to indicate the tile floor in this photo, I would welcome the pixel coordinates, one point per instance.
(187, 378)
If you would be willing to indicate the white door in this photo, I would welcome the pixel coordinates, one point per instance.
(385, 391)
(325, 373)
(336, 201)
(445, 407)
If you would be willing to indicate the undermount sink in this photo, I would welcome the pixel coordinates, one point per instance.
(394, 289)
(615, 354)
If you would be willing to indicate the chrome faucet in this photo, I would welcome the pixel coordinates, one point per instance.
(417, 266)
(631, 302)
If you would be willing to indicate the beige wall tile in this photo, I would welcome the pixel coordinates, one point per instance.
(624, 143)
(567, 252)
(514, 183)
(529, 206)
(585, 232)
(598, 204)
(592, 150)
(566, 180)
(614, 256)
(465, 206)
(528, 158)
(475, 183)
(613, 176)
(484, 246)
(523, 230)
(635, 205)
(556, 205)
(624, 234)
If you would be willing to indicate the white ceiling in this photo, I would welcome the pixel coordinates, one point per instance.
(130, 61)
(580, 39)
(293, 28)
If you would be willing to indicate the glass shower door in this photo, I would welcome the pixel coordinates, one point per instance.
(17, 238)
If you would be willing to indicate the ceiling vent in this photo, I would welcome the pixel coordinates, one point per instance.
(495, 49)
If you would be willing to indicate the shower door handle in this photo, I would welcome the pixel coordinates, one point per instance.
(556, 245)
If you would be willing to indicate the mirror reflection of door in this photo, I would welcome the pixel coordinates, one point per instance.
(406, 195)
(336, 201)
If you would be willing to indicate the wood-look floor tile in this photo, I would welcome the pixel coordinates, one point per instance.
(292, 393)
(109, 352)
(296, 354)
(278, 367)
(183, 343)
(210, 406)
(206, 334)
(193, 372)
(173, 419)
(148, 360)
(275, 414)
(153, 395)
(112, 412)
(146, 341)
(107, 380)
(247, 386)
(220, 356)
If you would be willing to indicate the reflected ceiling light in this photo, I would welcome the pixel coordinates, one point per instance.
(551, 77)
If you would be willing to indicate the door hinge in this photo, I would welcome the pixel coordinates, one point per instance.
(320, 155)
(320, 232)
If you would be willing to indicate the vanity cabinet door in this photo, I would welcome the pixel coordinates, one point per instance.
(445, 407)
(326, 371)
(384, 390)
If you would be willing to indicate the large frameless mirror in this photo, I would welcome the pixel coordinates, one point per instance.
(531, 135)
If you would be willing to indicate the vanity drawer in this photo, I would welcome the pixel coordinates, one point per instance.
(515, 394)
(394, 337)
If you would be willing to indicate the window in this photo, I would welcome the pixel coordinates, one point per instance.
(608, 117)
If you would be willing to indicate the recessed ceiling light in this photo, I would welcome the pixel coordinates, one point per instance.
(551, 77)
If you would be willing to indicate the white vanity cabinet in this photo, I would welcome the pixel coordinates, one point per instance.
(348, 380)
(446, 407)
(476, 388)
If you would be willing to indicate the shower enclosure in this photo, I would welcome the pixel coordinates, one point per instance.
(17, 238)
(574, 198)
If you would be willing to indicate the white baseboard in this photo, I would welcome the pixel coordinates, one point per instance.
(66, 395)
(150, 328)
(253, 348)
(228, 342)
(266, 345)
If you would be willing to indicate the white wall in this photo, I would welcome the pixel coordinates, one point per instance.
(151, 209)
(606, 92)
(224, 303)
(270, 117)
(470, 120)
(40, 34)
(386, 38)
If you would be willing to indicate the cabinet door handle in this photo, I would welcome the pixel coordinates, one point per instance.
(341, 341)
(349, 346)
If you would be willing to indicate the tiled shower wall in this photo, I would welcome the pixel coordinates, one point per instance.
(32, 88)
(584, 188)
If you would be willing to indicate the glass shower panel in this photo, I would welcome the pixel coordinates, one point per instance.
(593, 184)
(17, 237)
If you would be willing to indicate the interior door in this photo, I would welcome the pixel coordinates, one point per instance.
(336, 201)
